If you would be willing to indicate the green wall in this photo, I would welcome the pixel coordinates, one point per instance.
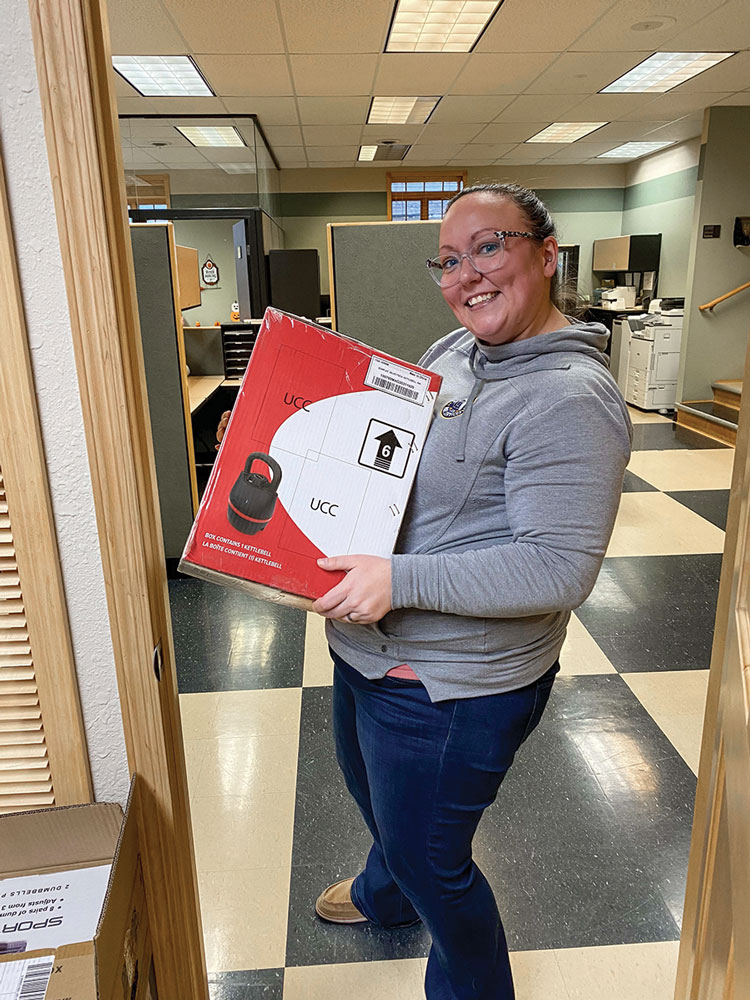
(714, 344)
(665, 205)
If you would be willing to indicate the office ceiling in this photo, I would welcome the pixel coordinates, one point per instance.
(308, 69)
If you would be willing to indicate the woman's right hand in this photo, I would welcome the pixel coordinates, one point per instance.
(221, 429)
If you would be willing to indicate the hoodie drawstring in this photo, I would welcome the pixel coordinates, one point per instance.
(466, 417)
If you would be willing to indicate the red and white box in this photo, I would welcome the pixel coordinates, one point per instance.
(318, 459)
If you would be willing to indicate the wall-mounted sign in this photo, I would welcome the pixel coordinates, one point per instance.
(711, 232)
(210, 272)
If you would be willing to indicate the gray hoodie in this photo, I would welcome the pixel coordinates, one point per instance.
(509, 518)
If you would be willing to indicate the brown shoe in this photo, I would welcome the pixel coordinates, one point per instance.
(335, 904)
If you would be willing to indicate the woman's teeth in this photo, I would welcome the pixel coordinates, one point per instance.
(476, 299)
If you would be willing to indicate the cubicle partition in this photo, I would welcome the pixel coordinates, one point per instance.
(381, 292)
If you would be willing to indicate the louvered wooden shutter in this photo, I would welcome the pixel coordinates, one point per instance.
(25, 780)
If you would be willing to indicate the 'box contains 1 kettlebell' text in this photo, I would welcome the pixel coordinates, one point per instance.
(318, 459)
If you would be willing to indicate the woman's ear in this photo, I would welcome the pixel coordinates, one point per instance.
(549, 256)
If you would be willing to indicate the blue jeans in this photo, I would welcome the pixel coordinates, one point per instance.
(422, 774)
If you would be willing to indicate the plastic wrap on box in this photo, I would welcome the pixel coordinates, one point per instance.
(318, 459)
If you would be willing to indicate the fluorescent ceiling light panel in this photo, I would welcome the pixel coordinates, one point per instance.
(211, 135)
(162, 76)
(367, 152)
(634, 150)
(438, 25)
(664, 70)
(237, 168)
(566, 131)
(401, 110)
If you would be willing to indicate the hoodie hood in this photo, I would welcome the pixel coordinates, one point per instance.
(490, 363)
(521, 357)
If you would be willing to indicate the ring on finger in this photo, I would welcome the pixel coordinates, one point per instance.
(349, 618)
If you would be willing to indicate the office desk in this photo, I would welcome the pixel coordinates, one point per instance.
(201, 387)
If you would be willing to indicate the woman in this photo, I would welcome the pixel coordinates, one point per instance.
(445, 654)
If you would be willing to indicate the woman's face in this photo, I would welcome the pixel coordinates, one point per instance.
(511, 302)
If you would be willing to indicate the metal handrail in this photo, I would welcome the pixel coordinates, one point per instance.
(710, 305)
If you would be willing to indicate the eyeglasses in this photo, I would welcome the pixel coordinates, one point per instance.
(486, 255)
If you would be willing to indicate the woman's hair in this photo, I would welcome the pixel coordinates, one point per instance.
(540, 225)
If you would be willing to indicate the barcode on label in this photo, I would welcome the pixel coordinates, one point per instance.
(34, 984)
(401, 390)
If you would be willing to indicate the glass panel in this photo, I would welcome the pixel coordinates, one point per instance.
(398, 210)
(414, 210)
(398, 186)
(435, 209)
(433, 186)
(415, 186)
(450, 185)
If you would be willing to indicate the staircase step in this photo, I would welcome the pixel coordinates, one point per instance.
(714, 408)
(699, 415)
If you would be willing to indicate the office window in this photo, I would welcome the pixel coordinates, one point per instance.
(421, 196)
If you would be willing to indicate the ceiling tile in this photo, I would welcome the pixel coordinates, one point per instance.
(241, 25)
(503, 74)
(284, 135)
(437, 134)
(672, 105)
(578, 152)
(469, 109)
(554, 26)
(418, 74)
(614, 31)
(331, 164)
(722, 30)
(741, 99)
(609, 107)
(141, 27)
(731, 74)
(333, 110)
(122, 87)
(401, 133)
(627, 131)
(179, 156)
(336, 25)
(135, 106)
(520, 155)
(541, 107)
(320, 76)
(270, 110)
(540, 150)
(320, 153)
(480, 152)
(187, 105)
(246, 76)
(510, 131)
(585, 72)
(289, 155)
(133, 158)
(334, 135)
(679, 130)
(445, 150)
(228, 154)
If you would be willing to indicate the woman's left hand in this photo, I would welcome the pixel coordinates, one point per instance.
(363, 596)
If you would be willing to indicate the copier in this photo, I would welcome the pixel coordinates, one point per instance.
(647, 349)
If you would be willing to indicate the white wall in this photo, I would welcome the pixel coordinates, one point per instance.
(45, 303)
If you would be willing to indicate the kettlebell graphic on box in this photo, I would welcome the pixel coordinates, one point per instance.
(252, 499)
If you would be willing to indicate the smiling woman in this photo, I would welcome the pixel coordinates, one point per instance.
(446, 653)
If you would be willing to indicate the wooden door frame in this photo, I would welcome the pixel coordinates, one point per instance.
(73, 61)
(709, 817)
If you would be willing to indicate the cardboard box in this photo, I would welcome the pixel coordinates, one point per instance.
(318, 459)
(115, 962)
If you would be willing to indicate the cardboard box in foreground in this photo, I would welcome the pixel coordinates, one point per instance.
(318, 460)
(102, 887)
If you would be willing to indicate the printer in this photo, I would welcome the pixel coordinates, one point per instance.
(654, 355)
